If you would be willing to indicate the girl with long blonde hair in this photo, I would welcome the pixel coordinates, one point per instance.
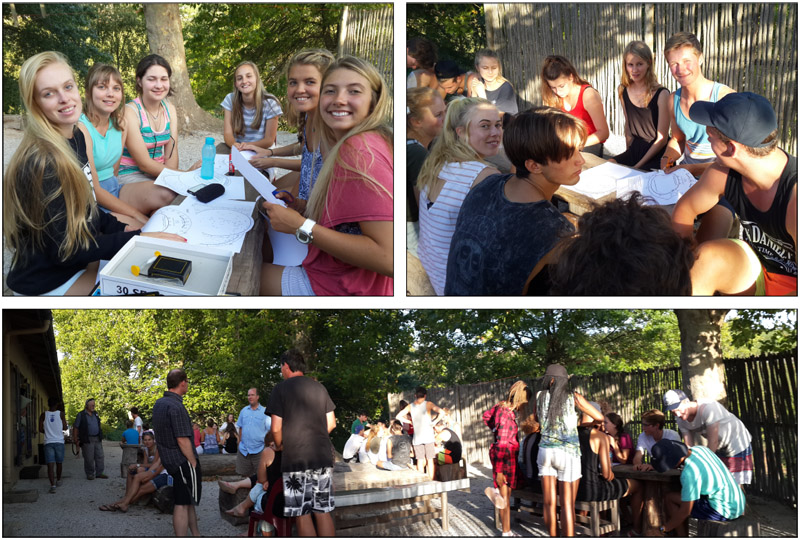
(103, 125)
(348, 222)
(472, 132)
(564, 89)
(304, 76)
(646, 107)
(251, 113)
(50, 217)
(491, 85)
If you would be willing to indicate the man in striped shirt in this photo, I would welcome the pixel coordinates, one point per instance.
(708, 491)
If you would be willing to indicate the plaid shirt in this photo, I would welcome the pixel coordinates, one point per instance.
(170, 421)
(503, 422)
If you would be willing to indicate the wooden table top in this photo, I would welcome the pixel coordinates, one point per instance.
(579, 203)
(629, 471)
(358, 476)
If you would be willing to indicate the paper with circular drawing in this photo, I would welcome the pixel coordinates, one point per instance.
(179, 182)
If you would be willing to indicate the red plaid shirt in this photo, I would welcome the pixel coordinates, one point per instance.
(503, 422)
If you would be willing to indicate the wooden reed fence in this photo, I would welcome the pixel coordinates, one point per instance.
(749, 47)
(762, 392)
(369, 33)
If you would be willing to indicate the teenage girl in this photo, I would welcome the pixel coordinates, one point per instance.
(619, 440)
(302, 90)
(348, 221)
(420, 58)
(502, 420)
(154, 145)
(559, 448)
(104, 123)
(491, 84)
(251, 114)
(646, 107)
(564, 89)
(425, 111)
(50, 217)
(472, 132)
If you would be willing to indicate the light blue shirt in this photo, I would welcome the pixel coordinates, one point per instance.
(255, 425)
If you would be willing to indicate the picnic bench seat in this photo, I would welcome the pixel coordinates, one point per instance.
(591, 525)
(742, 526)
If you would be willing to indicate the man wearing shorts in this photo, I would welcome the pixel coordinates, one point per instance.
(424, 437)
(53, 423)
(302, 417)
(708, 491)
(175, 440)
(760, 182)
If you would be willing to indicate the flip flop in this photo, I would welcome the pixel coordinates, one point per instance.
(495, 497)
(108, 508)
(117, 507)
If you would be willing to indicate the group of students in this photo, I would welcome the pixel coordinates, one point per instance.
(214, 440)
(480, 231)
(81, 183)
(570, 447)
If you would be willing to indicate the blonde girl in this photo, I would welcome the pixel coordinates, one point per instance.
(304, 76)
(348, 222)
(251, 114)
(472, 132)
(104, 124)
(564, 89)
(491, 85)
(50, 217)
(646, 106)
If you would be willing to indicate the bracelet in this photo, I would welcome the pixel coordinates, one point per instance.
(271, 152)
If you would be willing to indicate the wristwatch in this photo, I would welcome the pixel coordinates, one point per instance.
(303, 234)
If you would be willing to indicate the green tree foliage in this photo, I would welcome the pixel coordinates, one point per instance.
(67, 28)
(220, 36)
(458, 30)
(756, 332)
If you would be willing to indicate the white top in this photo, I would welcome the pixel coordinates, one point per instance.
(411, 80)
(437, 221)
(53, 428)
(138, 425)
(733, 436)
(271, 109)
(645, 442)
(421, 420)
(352, 445)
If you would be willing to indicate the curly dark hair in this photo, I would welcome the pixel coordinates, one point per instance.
(623, 248)
(423, 51)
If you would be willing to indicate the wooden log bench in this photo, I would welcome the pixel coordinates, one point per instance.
(130, 456)
(591, 525)
(742, 526)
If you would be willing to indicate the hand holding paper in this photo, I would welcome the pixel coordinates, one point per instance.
(256, 179)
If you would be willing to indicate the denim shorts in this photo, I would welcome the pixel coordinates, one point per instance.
(113, 186)
(702, 509)
(54, 453)
(161, 480)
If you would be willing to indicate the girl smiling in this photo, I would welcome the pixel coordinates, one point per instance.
(251, 114)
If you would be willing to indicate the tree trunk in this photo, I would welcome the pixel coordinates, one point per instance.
(165, 36)
(701, 353)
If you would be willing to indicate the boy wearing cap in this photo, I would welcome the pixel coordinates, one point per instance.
(725, 434)
(708, 491)
(454, 83)
(760, 182)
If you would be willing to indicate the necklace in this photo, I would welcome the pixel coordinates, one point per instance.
(153, 118)
(534, 186)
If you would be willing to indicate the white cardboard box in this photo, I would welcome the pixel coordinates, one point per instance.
(211, 269)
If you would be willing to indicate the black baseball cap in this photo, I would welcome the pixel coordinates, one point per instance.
(744, 117)
(447, 69)
(666, 454)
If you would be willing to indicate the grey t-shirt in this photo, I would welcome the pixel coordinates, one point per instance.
(497, 243)
(401, 449)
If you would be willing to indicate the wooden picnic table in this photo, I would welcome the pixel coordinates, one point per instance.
(655, 485)
(369, 501)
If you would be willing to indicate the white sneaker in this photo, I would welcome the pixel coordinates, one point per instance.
(495, 497)
(511, 533)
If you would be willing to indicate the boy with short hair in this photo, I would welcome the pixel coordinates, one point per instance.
(52, 424)
(758, 179)
(507, 225)
(454, 83)
(130, 435)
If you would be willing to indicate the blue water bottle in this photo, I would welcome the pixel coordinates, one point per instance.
(209, 153)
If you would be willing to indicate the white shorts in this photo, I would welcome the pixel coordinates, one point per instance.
(557, 462)
(295, 282)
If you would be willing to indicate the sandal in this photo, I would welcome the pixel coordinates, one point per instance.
(495, 497)
(108, 508)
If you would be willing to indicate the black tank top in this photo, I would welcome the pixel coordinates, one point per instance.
(643, 121)
(766, 231)
(590, 466)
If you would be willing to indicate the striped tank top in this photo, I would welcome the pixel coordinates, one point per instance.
(154, 141)
(697, 149)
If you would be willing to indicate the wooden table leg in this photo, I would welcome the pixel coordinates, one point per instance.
(652, 509)
(445, 515)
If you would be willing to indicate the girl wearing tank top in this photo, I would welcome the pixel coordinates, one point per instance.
(103, 123)
(645, 104)
(491, 85)
(564, 89)
(689, 140)
(152, 147)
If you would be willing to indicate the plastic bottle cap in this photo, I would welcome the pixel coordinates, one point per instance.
(210, 140)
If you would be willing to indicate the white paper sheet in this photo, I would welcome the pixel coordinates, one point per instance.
(221, 164)
(256, 179)
(287, 251)
(222, 224)
(664, 189)
(179, 182)
(600, 181)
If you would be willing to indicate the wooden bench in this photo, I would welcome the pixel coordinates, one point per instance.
(591, 525)
(451, 471)
(742, 526)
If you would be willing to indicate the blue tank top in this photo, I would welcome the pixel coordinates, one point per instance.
(310, 166)
(697, 149)
(106, 149)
